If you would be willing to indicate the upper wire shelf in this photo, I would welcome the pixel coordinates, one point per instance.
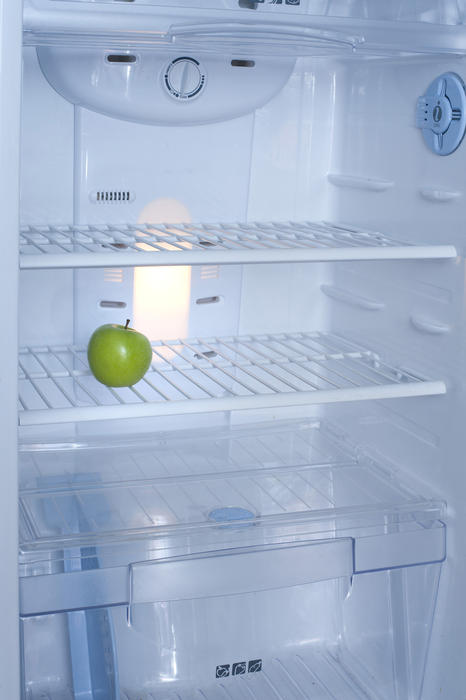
(213, 374)
(127, 245)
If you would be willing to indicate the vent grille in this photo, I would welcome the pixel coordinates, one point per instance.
(112, 274)
(112, 196)
(210, 272)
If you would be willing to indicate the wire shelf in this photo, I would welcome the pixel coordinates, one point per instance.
(127, 245)
(213, 374)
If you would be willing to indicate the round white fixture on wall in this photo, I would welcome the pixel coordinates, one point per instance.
(441, 114)
(184, 78)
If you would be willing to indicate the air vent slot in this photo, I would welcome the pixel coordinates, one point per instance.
(121, 57)
(210, 272)
(208, 300)
(112, 196)
(242, 63)
(112, 274)
(104, 304)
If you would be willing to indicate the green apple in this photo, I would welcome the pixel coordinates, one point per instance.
(118, 355)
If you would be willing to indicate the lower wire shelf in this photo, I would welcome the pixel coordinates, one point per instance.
(213, 374)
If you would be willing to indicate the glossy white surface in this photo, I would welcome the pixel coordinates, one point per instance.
(10, 94)
(139, 91)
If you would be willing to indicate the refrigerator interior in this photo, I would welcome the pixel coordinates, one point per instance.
(302, 535)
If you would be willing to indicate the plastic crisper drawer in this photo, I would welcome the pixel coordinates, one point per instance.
(108, 517)
(272, 561)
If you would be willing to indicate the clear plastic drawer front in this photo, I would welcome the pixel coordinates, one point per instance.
(260, 562)
(232, 572)
(334, 639)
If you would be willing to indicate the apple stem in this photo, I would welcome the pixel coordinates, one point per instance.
(127, 322)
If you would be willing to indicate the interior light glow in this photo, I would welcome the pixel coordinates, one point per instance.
(162, 294)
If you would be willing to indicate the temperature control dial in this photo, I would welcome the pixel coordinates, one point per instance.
(441, 114)
(184, 78)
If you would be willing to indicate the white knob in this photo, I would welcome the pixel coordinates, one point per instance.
(184, 78)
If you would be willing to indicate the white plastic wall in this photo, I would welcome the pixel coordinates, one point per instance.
(10, 82)
(421, 321)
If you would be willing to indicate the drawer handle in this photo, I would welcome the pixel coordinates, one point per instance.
(243, 570)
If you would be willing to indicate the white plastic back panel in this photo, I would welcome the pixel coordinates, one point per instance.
(46, 305)
(101, 296)
(292, 152)
(204, 169)
(215, 299)
(47, 149)
(174, 174)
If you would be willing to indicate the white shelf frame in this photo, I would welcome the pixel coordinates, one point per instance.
(127, 245)
(214, 374)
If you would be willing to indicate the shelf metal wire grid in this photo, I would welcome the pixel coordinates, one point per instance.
(61, 246)
(203, 375)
